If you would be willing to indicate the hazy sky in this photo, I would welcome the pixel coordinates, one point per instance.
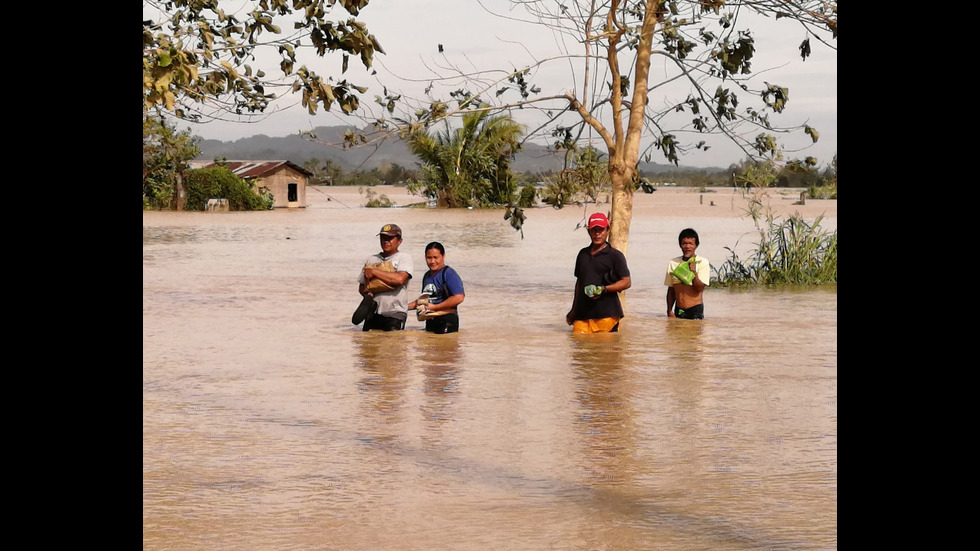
(411, 31)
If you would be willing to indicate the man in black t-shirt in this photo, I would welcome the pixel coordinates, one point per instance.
(600, 273)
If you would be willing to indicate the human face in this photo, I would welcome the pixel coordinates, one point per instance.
(434, 260)
(598, 235)
(389, 244)
(688, 246)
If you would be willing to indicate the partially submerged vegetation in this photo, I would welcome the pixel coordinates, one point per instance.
(790, 251)
(375, 200)
(584, 177)
(205, 183)
(469, 166)
(166, 153)
(822, 192)
(170, 183)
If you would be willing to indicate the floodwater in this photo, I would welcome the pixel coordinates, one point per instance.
(271, 423)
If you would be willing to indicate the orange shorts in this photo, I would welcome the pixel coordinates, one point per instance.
(604, 325)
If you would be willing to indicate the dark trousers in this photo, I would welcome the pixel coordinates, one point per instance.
(447, 323)
(384, 323)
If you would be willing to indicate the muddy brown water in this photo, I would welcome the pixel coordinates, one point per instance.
(270, 422)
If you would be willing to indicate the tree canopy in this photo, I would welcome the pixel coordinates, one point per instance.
(645, 77)
(201, 61)
(469, 165)
(166, 153)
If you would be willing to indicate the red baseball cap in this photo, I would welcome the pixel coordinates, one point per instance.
(598, 219)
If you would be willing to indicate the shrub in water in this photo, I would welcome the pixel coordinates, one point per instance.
(221, 183)
(528, 196)
(790, 252)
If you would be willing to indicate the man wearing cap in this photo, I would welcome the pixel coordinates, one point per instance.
(387, 308)
(600, 273)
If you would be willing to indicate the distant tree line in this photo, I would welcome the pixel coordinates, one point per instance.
(327, 173)
(470, 168)
(738, 175)
(584, 179)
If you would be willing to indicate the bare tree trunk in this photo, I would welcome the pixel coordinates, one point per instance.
(181, 192)
(622, 210)
(622, 215)
(624, 154)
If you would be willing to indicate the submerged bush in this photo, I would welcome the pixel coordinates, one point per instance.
(221, 183)
(822, 192)
(374, 200)
(528, 197)
(166, 153)
(158, 189)
(790, 252)
(559, 191)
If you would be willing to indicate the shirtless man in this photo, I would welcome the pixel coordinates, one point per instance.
(684, 300)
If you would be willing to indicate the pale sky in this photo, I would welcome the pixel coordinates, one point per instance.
(411, 31)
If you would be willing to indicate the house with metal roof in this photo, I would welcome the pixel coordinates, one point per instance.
(285, 180)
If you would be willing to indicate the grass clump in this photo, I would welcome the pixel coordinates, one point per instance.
(790, 252)
(822, 192)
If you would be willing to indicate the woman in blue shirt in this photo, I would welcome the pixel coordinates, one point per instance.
(445, 292)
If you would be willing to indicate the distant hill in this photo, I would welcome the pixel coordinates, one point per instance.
(533, 158)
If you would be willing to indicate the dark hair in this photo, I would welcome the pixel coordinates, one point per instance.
(437, 246)
(689, 232)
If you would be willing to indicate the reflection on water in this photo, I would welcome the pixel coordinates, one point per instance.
(385, 379)
(269, 422)
(605, 416)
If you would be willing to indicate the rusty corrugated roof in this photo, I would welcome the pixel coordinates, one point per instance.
(258, 169)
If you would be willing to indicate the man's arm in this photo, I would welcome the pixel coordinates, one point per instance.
(621, 285)
(620, 267)
(394, 279)
(570, 316)
(698, 284)
(671, 299)
(448, 304)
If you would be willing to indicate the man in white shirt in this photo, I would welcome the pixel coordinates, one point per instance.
(385, 304)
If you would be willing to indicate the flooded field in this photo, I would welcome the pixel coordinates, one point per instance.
(271, 423)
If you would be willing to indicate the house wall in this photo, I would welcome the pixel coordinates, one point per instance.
(278, 184)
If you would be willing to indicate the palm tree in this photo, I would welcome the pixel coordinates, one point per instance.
(468, 166)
